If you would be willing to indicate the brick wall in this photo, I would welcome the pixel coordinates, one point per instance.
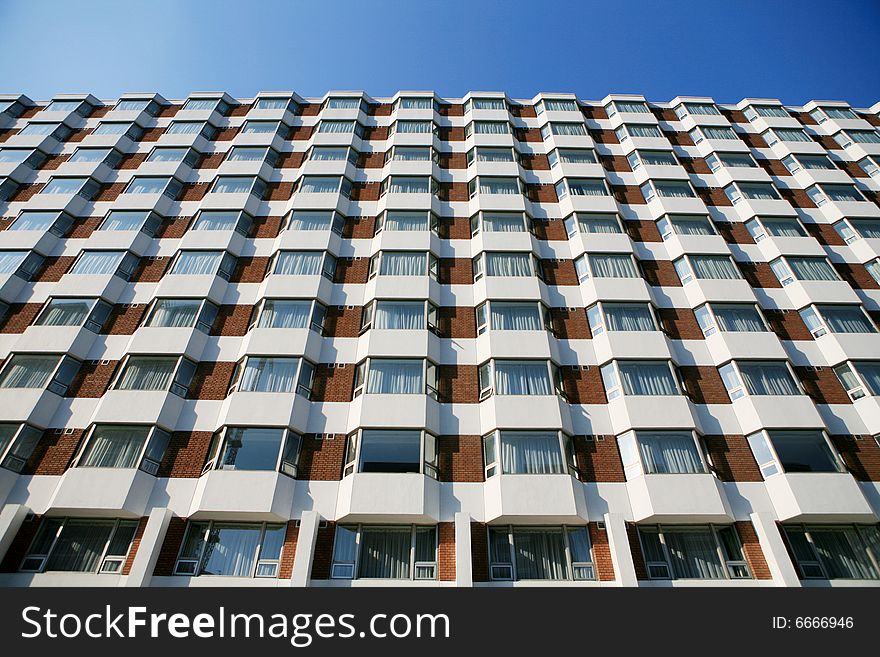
(458, 384)
(660, 273)
(93, 379)
(601, 552)
(333, 384)
(321, 460)
(211, 380)
(642, 230)
(54, 268)
(541, 193)
(170, 547)
(250, 269)
(53, 453)
(456, 271)
(680, 323)
(352, 270)
(759, 274)
(732, 458)
(704, 385)
(446, 551)
(460, 458)
(861, 455)
(479, 552)
(856, 275)
(598, 458)
(454, 228)
(19, 316)
(788, 325)
(285, 567)
(713, 196)
(583, 385)
(734, 232)
(616, 163)
(173, 227)
(124, 319)
(186, 454)
(570, 323)
(232, 320)
(456, 322)
(323, 557)
(451, 191)
(83, 227)
(151, 269)
(559, 272)
(628, 194)
(343, 321)
(268, 227)
(135, 544)
(635, 547)
(359, 227)
(752, 550)
(822, 384)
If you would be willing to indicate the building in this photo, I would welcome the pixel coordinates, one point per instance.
(448, 342)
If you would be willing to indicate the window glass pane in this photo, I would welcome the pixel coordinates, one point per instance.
(736, 160)
(714, 267)
(260, 127)
(613, 266)
(812, 269)
(803, 451)
(647, 378)
(401, 263)
(79, 546)
(503, 223)
(628, 317)
(688, 225)
(168, 155)
(522, 378)
(42, 129)
(531, 452)
(247, 154)
(197, 263)
(870, 373)
(846, 319)
(251, 449)
(768, 378)
(673, 189)
(783, 227)
(391, 451)
(736, 318)
(385, 552)
(657, 158)
(587, 187)
(299, 263)
(147, 373)
(598, 223)
(231, 550)
(387, 376)
(665, 452)
(842, 553)
(174, 313)
(31, 220)
(539, 554)
(515, 316)
(114, 447)
(233, 185)
(24, 371)
(693, 553)
(498, 185)
(63, 186)
(400, 315)
(508, 264)
(65, 312)
(401, 221)
(269, 375)
(277, 313)
(716, 132)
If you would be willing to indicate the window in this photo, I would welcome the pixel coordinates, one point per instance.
(753, 191)
(712, 132)
(415, 103)
(556, 105)
(517, 377)
(758, 378)
(24, 264)
(638, 130)
(141, 185)
(857, 137)
(274, 104)
(316, 220)
(396, 376)
(261, 127)
(33, 158)
(488, 154)
(803, 268)
(135, 105)
(571, 156)
(272, 374)
(253, 154)
(68, 106)
(779, 451)
(731, 160)
(835, 551)
(58, 131)
(65, 185)
(413, 154)
(494, 185)
(403, 263)
(789, 135)
(343, 103)
(620, 317)
(156, 373)
(510, 316)
(239, 185)
(667, 189)
(255, 449)
(385, 552)
(499, 222)
(133, 220)
(870, 165)
(304, 263)
(581, 187)
(57, 223)
(563, 129)
(766, 111)
(391, 451)
(540, 553)
(837, 318)
(706, 267)
(873, 268)
(487, 128)
(124, 446)
(60, 311)
(222, 220)
(760, 227)
(91, 155)
(528, 452)
(395, 315)
(200, 104)
(629, 106)
(172, 154)
(651, 158)
(660, 452)
(86, 545)
(290, 314)
(684, 224)
(17, 443)
(592, 222)
(412, 127)
(36, 371)
(605, 265)
(794, 163)
(867, 228)
(638, 378)
(506, 264)
(693, 552)
(729, 317)
(201, 128)
(484, 104)
(230, 549)
(697, 109)
(204, 263)
(182, 313)
(339, 127)
(856, 377)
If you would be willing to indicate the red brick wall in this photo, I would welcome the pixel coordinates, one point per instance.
(541, 193)
(704, 385)
(861, 455)
(549, 229)
(321, 460)
(83, 227)
(186, 454)
(343, 321)
(454, 228)
(456, 271)
(797, 197)
(124, 319)
(266, 227)
(278, 191)
(446, 551)
(759, 274)
(460, 458)
(788, 325)
(856, 275)
(170, 547)
(734, 232)
(352, 270)
(604, 136)
(323, 557)
(285, 568)
(53, 453)
(135, 544)
(173, 227)
(93, 379)
(559, 272)
(536, 162)
(752, 550)
(695, 165)
(232, 320)
(193, 191)
(250, 269)
(333, 385)
(211, 380)
(732, 458)
(643, 230)
(822, 384)
(456, 322)
(359, 227)
(54, 268)
(19, 316)
(598, 459)
(660, 272)
(635, 547)
(615, 163)
(680, 323)
(451, 191)
(628, 194)
(601, 552)
(583, 386)
(570, 324)
(151, 269)
(713, 196)
(678, 138)
(458, 384)
(480, 552)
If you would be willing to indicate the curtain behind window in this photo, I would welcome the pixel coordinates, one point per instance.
(302, 263)
(647, 379)
(175, 313)
(65, 312)
(269, 375)
(768, 379)
(197, 263)
(285, 314)
(147, 374)
(613, 266)
(385, 552)
(400, 315)
(665, 452)
(231, 550)
(80, 546)
(846, 319)
(403, 264)
(870, 372)
(812, 269)
(694, 554)
(114, 447)
(531, 452)
(310, 221)
(28, 371)
(842, 554)
(539, 553)
(97, 262)
(522, 378)
(515, 317)
(626, 317)
(503, 223)
(714, 267)
(395, 376)
(508, 264)
(734, 318)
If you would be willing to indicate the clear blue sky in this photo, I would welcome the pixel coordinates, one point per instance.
(792, 50)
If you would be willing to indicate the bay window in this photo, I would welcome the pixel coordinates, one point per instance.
(84, 187)
(351, 102)
(511, 316)
(223, 220)
(761, 227)
(35, 371)
(227, 549)
(712, 132)
(730, 318)
(837, 318)
(391, 451)
(571, 156)
(57, 223)
(254, 449)
(851, 137)
(693, 552)
(528, 452)
(109, 156)
(684, 224)
(31, 157)
(661, 452)
(188, 156)
(206, 104)
(651, 158)
(263, 128)
(410, 127)
(731, 160)
(605, 265)
(290, 314)
(410, 154)
(789, 135)
(393, 314)
(24, 264)
(795, 163)
(404, 263)
(499, 222)
(276, 104)
(626, 106)
(852, 229)
(581, 187)
(304, 263)
(239, 185)
(385, 552)
(172, 373)
(567, 129)
(406, 220)
(74, 311)
(612, 316)
(756, 191)
(706, 267)
(341, 127)
(803, 268)
(253, 154)
(17, 443)
(870, 165)
(80, 545)
(556, 105)
(667, 189)
(540, 553)
(416, 102)
(494, 185)
(518, 377)
(332, 154)
(316, 220)
(766, 111)
(484, 104)
(835, 551)
(822, 114)
(166, 186)
(778, 450)
(201, 128)
(204, 263)
(58, 131)
(147, 105)
(182, 313)
(858, 376)
(821, 194)
(758, 378)
(396, 376)
(118, 263)
(639, 377)
(598, 223)
(124, 446)
(697, 109)
(504, 264)
(133, 220)
(273, 374)
(487, 128)
(408, 185)
(325, 185)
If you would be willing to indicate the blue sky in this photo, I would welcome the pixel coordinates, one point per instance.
(792, 50)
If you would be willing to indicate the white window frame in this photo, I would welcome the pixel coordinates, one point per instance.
(429, 454)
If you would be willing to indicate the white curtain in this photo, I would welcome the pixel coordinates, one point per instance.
(402, 263)
(515, 316)
(783, 227)
(406, 221)
(97, 262)
(216, 221)
(647, 379)
(114, 447)
(285, 314)
(79, 546)
(508, 264)
(124, 221)
(319, 185)
(491, 127)
(792, 134)
(33, 221)
(175, 313)
(385, 552)
(696, 226)
(846, 319)
(10, 260)
(269, 375)
(400, 315)
(694, 554)
(412, 154)
(812, 269)
(299, 263)
(531, 452)
(489, 103)
(568, 129)
(674, 189)
(587, 187)
(65, 312)
(576, 156)
(522, 378)
(28, 371)
(328, 153)
(596, 223)
(842, 193)
(768, 379)
(345, 545)
(738, 318)
(412, 127)
(336, 127)
(311, 221)
(498, 186)
(842, 553)
(628, 317)
(870, 372)
(540, 554)
(494, 155)
(403, 377)
(231, 550)
(636, 130)
(758, 191)
(401, 185)
(714, 267)
(613, 266)
(503, 223)
(260, 127)
(197, 263)
(147, 186)
(147, 374)
(669, 452)
(718, 133)
(560, 105)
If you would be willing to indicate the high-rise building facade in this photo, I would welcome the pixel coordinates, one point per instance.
(349, 341)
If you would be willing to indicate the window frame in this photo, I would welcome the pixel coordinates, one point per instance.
(428, 465)
(209, 526)
(286, 461)
(616, 388)
(728, 565)
(105, 559)
(571, 566)
(338, 568)
(144, 462)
